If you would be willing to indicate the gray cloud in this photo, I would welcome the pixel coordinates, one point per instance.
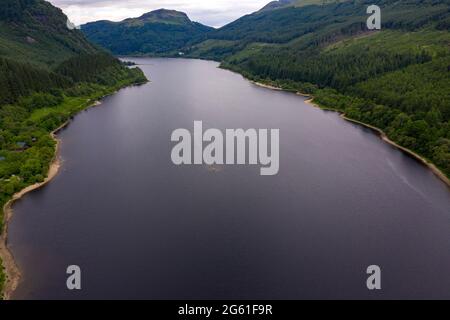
(210, 12)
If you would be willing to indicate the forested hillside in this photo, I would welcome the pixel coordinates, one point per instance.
(278, 4)
(397, 79)
(44, 66)
(47, 74)
(160, 32)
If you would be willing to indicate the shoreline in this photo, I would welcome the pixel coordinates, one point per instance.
(267, 86)
(435, 170)
(11, 269)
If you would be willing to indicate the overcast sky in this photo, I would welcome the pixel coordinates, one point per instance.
(214, 13)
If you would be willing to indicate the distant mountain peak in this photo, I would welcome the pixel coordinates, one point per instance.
(278, 4)
(165, 16)
(157, 32)
(165, 13)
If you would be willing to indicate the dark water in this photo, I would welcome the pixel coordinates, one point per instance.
(141, 227)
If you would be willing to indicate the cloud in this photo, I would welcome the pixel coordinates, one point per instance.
(214, 13)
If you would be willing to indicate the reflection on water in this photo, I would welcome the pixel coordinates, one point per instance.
(141, 227)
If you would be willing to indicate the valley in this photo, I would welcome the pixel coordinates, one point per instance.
(395, 79)
(331, 184)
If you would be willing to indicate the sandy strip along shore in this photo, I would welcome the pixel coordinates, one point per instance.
(380, 132)
(385, 138)
(13, 274)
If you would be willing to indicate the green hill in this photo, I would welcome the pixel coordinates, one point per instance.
(159, 32)
(278, 4)
(36, 46)
(35, 31)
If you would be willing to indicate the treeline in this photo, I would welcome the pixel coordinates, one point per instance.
(417, 89)
(338, 70)
(21, 79)
(97, 68)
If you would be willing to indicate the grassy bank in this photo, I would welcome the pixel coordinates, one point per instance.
(27, 145)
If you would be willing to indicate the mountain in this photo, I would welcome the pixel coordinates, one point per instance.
(159, 32)
(36, 32)
(38, 51)
(396, 78)
(163, 16)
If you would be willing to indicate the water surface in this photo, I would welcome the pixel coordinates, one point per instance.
(141, 227)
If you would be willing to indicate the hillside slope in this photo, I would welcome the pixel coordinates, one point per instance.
(155, 33)
(35, 31)
(36, 48)
(277, 4)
